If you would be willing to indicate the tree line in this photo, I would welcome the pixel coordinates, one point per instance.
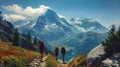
(17, 38)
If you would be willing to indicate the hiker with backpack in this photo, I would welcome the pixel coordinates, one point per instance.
(56, 53)
(41, 47)
(63, 52)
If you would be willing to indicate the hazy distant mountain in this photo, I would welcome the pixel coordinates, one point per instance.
(77, 35)
(86, 24)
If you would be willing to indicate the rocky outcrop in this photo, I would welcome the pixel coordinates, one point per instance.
(112, 61)
(97, 57)
(6, 31)
(6, 26)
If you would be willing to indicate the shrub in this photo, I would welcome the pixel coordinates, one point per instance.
(15, 62)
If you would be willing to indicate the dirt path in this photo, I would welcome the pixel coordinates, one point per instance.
(42, 64)
(60, 64)
(37, 63)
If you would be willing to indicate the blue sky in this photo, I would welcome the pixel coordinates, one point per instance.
(106, 11)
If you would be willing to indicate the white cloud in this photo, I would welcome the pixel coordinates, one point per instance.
(27, 12)
(14, 17)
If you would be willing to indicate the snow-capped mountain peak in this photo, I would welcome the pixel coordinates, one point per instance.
(52, 20)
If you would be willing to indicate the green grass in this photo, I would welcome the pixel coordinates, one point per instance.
(15, 62)
(79, 61)
(51, 61)
(15, 56)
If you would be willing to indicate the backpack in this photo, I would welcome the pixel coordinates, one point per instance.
(63, 51)
(41, 47)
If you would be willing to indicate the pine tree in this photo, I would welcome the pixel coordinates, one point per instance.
(0, 16)
(35, 40)
(16, 38)
(118, 40)
(0, 12)
(118, 35)
(112, 42)
(29, 37)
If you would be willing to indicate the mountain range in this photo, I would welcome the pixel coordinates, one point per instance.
(78, 36)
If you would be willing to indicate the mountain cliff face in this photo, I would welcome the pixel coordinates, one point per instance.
(6, 31)
(7, 34)
(77, 35)
(50, 25)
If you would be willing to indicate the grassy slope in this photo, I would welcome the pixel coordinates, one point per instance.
(8, 51)
(51, 61)
(79, 61)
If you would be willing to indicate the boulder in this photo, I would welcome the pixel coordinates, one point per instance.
(112, 61)
(95, 55)
(98, 57)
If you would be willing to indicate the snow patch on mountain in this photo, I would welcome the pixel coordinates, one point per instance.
(64, 23)
(75, 22)
(81, 29)
(32, 25)
(50, 26)
(61, 16)
(93, 20)
(23, 24)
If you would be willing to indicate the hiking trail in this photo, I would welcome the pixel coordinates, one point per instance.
(38, 63)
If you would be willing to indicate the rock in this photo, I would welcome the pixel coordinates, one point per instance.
(113, 61)
(98, 58)
(95, 55)
(6, 31)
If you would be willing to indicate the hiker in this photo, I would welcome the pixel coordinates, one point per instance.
(41, 47)
(63, 52)
(56, 53)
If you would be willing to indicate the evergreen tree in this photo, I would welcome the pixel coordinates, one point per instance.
(35, 40)
(29, 37)
(16, 38)
(0, 16)
(0, 12)
(112, 42)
